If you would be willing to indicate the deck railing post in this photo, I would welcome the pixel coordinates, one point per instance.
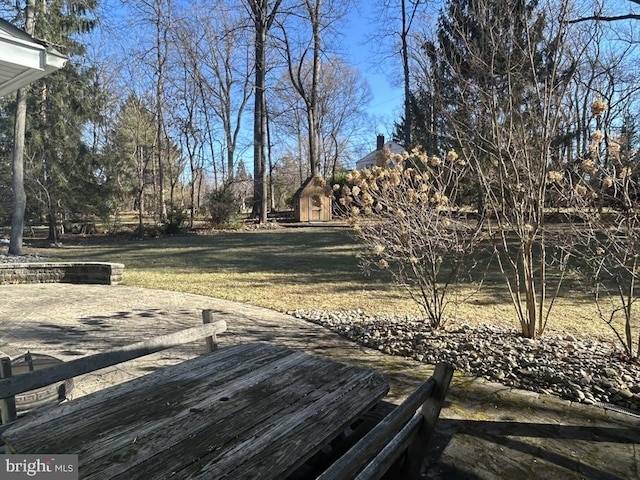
(212, 341)
(7, 405)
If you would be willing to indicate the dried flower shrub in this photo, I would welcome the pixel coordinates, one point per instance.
(411, 225)
(604, 192)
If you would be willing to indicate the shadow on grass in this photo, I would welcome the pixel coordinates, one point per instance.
(323, 252)
(322, 256)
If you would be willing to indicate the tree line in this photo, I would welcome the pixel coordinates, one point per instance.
(536, 98)
(155, 117)
(158, 116)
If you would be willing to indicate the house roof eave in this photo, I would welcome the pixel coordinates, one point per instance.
(24, 59)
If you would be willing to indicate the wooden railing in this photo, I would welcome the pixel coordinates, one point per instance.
(12, 385)
(397, 445)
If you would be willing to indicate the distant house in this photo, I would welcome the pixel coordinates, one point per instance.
(23, 59)
(312, 201)
(370, 159)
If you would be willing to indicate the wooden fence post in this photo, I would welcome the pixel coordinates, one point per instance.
(7, 405)
(430, 412)
(212, 341)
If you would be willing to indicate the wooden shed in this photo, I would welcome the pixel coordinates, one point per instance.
(312, 201)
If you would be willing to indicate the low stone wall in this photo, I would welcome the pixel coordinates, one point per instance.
(73, 272)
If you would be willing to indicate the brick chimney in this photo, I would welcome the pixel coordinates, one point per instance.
(380, 142)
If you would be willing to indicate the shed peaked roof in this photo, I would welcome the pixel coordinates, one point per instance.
(23, 59)
(306, 183)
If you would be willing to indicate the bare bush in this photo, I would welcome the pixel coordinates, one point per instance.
(412, 225)
(603, 190)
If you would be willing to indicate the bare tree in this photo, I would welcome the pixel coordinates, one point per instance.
(305, 65)
(603, 190)
(409, 10)
(262, 14)
(185, 113)
(408, 220)
(600, 16)
(226, 71)
(342, 97)
(505, 108)
(214, 77)
(304, 75)
(397, 20)
(287, 115)
(158, 14)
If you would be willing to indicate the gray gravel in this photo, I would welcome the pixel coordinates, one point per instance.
(586, 371)
(6, 258)
(21, 258)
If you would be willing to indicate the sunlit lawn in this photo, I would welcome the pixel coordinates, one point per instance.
(298, 268)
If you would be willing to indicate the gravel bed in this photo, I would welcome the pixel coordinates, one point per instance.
(28, 257)
(586, 371)
(31, 257)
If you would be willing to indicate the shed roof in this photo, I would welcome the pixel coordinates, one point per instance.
(23, 59)
(306, 183)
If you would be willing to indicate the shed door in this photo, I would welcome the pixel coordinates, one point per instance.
(315, 208)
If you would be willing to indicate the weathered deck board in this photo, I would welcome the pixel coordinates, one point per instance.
(246, 411)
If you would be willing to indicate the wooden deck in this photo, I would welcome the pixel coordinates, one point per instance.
(245, 411)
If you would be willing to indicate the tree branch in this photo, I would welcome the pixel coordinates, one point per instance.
(605, 18)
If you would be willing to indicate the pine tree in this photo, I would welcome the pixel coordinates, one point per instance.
(130, 156)
(63, 172)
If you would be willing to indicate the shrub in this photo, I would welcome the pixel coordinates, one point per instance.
(603, 191)
(410, 225)
(176, 221)
(225, 208)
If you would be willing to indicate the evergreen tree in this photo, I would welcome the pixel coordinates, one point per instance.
(130, 157)
(63, 173)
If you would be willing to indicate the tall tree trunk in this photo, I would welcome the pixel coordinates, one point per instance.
(259, 128)
(161, 57)
(19, 195)
(262, 20)
(192, 187)
(52, 218)
(406, 25)
(141, 172)
(315, 18)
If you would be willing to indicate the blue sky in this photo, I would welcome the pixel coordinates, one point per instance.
(376, 67)
(357, 48)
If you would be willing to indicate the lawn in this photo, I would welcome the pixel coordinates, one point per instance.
(297, 268)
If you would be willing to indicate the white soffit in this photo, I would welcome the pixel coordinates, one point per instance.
(24, 59)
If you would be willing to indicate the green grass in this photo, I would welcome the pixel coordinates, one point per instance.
(292, 268)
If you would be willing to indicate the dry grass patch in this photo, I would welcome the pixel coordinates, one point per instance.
(303, 268)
